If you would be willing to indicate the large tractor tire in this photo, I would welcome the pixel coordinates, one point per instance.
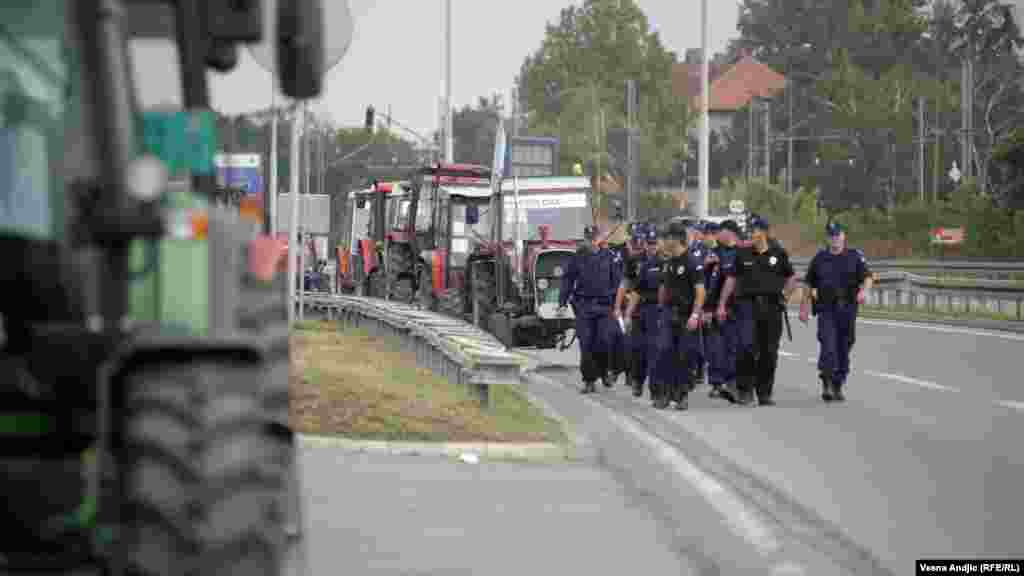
(204, 471)
(376, 284)
(485, 289)
(452, 302)
(263, 313)
(426, 298)
(401, 272)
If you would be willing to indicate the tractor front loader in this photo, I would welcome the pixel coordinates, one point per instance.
(144, 389)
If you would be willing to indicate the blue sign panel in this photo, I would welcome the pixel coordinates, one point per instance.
(242, 171)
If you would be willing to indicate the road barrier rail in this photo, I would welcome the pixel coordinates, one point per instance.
(901, 289)
(974, 267)
(448, 347)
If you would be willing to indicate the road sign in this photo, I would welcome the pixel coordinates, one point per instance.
(242, 171)
(948, 236)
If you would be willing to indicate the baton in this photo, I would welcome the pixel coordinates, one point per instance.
(785, 318)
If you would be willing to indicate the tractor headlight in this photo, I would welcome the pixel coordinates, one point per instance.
(542, 283)
(147, 178)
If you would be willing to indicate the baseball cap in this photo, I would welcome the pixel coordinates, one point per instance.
(758, 222)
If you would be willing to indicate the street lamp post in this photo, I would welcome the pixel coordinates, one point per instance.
(705, 128)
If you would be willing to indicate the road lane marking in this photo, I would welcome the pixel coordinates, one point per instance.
(1012, 404)
(909, 380)
(945, 329)
(739, 517)
(785, 354)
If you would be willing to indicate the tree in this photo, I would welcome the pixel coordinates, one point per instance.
(986, 33)
(579, 71)
(475, 131)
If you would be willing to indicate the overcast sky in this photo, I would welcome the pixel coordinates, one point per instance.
(396, 58)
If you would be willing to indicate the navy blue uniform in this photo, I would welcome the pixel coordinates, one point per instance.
(618, 356)
(695, 340)
(680, 275)
(761, 278)
(837, 278)
(590, 282)
(644, 279)
(722, 335)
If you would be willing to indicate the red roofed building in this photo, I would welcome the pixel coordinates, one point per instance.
(732, 87)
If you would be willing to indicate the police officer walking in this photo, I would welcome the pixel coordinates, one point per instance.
(681, 300)
(699, 252)
(590, 282)
(838, 279)
(762, 279)
(642, 280)
(723, 332)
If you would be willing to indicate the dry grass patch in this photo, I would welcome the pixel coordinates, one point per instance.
(360, 386)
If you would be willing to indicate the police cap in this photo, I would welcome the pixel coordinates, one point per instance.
(731, 226)
(834, 229)
(758, 222)
(637, 231)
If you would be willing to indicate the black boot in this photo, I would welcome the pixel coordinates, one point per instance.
(837, 392)
(638, 387)
(588, 388)
(827, 393)
(729, 391)
(682, 403)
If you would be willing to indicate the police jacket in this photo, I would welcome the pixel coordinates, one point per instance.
(592, 275)
(681, 275)
(837, 277)
(644, 277)
(760, 273)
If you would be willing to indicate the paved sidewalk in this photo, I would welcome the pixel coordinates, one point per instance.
(386, 514)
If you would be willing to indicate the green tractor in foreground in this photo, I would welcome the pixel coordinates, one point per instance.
(144, 369)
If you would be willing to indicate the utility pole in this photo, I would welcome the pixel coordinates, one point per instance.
(705, 126)
(789, 141)
(751, 139)
(449, 149)
(631, 201)
(270, 194)
(967, 112)
(920, 146)
(767, 113)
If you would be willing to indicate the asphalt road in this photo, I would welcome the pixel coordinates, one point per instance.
(923, 460)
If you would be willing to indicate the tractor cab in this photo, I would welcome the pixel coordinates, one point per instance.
(144, 366)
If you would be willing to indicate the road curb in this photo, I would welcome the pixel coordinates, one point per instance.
(520, 452)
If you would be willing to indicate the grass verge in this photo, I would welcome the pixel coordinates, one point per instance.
(360, 386)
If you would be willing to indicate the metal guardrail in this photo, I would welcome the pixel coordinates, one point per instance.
(448, 347)
(901, 289)
(973, 266)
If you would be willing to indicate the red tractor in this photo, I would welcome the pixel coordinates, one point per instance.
(377, 220)
(540, 226)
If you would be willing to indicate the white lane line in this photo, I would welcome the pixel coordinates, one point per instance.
(1012, 404)
(945, 329)
(785, 354)
(740, 518)
(914, 381)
